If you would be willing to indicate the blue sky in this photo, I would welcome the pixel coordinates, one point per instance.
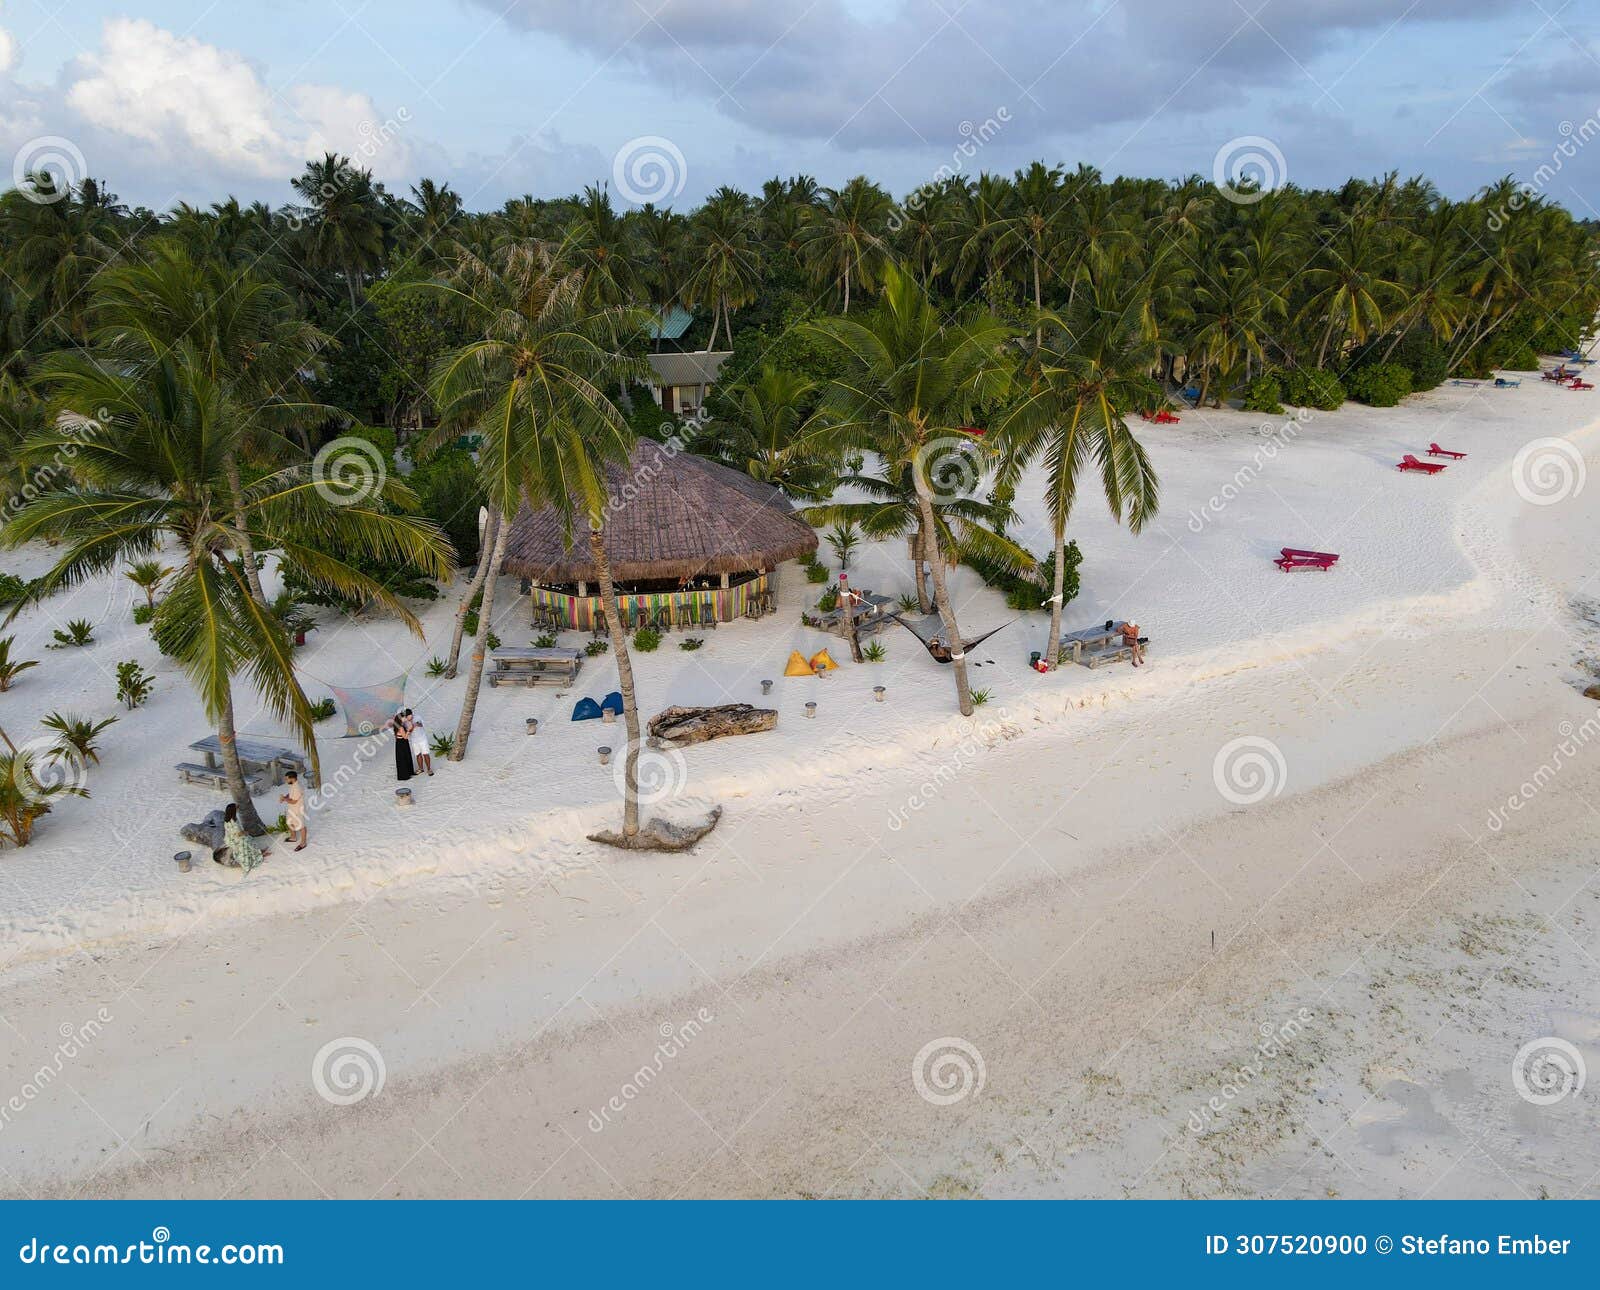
(191, 99)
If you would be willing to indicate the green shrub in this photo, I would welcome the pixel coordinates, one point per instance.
(874, 652)
(79, 631)
(829, 600)
(142, 614)
(1311, 387)
(1264, 394)
(11, 668)
(1379, 385)
(442, 745)
(491, 641)
(133, 683)
(437, 666)
(980, 697)
(1421, 355)
(469, 624)
(816, 572)
(647, 640)
(691, 643)
(546, 641)
(12, 589)
(596, 647)
(322, 709)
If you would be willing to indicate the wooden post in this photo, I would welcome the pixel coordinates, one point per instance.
(848, 618)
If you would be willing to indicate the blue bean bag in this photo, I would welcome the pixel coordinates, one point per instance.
(586, 710)
(612, 702)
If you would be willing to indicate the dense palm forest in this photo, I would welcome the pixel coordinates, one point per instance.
(168, 379)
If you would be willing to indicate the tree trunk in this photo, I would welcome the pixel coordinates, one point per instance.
(233, 769)
(630, 705)
(491, 534)
(941, 598)
(247, 550)
(846, 288)
(1052, 652)
(716, 320)
(924, 603)
(469, 702)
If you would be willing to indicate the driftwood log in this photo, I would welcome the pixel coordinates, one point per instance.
(661, 835)
(696, 725)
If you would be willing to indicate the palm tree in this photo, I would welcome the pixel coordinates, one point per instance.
(147, 575)
(1079, 387)
(243, 327)
(911, 384)
(150, 475)
(55, 245)
(843, 241)
(533, 385)
(724, 269)
(343, 229)
(766, 434)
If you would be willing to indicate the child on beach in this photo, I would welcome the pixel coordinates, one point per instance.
(294, 801)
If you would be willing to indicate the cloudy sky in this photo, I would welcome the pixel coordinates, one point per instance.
(173, 100)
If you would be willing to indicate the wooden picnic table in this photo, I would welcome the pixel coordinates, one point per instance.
(254, 754)
(534, 665)
(872, 612)
(1092, 646)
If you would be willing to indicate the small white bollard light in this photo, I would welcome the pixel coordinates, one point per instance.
(402, 797)
(183, 858)
(878, 692)
(811, 709)
(766, 687)
(605, 755)
(533, 725)
(609, 716)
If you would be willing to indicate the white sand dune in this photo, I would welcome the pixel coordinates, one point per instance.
(1043, 884)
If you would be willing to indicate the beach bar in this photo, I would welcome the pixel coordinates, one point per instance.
(690, 543)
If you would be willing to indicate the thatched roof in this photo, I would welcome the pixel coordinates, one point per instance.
(672, 515)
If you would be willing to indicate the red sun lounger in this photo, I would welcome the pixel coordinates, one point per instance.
(1580, 385)
(1292, 559)
(1408, 462)
(1434, 450)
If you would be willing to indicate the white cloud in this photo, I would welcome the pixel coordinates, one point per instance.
(190, 100)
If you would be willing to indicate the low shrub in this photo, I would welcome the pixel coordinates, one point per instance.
(647, 640)
(1264, 394)
(596, 647)
(322, 709)
(1379, 385)
(142, 614)
(1311, 387)
(1421, 355)
(437, 666)
(546, 641)
(691, 642)
(133, 683)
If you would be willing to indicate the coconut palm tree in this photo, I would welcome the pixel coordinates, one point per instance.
(150, 476)
(343, 221)
(600, 242)
(534, 384)
(148, 575)
(1077, 390)
(724, 269)
(246, 331)
(912, 383)
(843, 242)
(766, 434)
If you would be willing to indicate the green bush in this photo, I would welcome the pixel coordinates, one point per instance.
(1311, 387)
(1264, 394)
(828, 600)
(816, 572)
(143, 613)
(1421, 355)
(1379, 385)
(544, 642)
(322, 709)
(596, 647)
(12, 589)
(647, 640)
(379, 436)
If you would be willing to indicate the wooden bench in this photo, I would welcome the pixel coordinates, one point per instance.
(193, 773)
(535, 666)
(1093, 647)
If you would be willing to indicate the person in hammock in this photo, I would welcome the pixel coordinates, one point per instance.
(940, 651)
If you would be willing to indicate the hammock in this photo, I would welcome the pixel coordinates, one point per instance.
(367, 707)
(928, 628)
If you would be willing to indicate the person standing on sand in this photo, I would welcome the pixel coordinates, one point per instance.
(402, 746)
(420, 756)
(246, 855)
(294, 802)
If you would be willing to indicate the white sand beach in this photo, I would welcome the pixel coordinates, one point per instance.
(1349, 817)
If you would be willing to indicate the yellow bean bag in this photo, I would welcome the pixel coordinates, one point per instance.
(798, 665)
(822, 662)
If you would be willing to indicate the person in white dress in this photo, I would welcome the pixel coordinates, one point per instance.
(419, 742)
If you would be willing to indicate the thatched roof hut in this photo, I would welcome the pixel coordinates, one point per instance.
(673, 516)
